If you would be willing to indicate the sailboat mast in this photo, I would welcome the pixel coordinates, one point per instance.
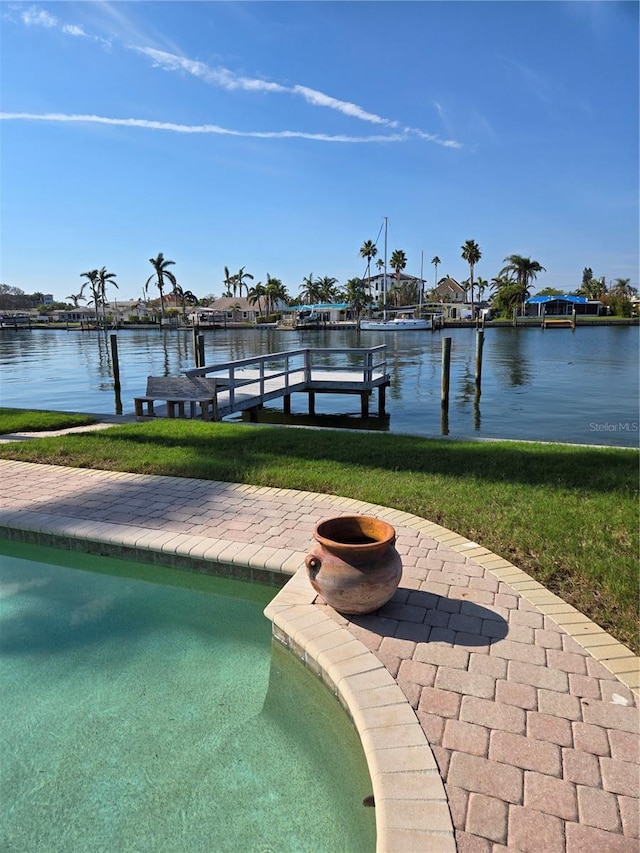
(384, 286)
(421, 281)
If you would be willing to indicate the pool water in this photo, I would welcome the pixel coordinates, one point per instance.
(145, 709)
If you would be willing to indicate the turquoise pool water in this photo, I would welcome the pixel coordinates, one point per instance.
(144, 709)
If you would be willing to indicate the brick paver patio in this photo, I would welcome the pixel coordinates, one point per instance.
(530, 710)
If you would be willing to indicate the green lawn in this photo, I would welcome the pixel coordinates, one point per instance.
(25, 420)
(567, 515)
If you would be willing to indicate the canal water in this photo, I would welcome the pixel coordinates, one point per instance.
(564, 385)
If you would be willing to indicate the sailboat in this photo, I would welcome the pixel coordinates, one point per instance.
(400, 322)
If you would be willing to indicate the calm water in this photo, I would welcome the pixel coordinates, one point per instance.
(550, 385)
(139, 715)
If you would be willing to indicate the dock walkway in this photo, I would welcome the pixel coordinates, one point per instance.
(249, 383)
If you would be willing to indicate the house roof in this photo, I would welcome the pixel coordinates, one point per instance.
(449, 284)
(579, 300)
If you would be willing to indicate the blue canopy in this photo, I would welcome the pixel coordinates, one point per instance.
(562, 298)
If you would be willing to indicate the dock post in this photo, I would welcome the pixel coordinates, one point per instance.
(286, 404)
(515, 318)
(382, 392)
(573, 318)
(446, 364)
(200, 351)
(116, 372)
(364, 404)
(479, 346)
(312, 403)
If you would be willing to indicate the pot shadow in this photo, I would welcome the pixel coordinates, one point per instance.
(428, 617)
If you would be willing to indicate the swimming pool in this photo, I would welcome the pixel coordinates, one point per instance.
(145, 709)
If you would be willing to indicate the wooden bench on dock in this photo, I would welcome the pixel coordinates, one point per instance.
(178, 392)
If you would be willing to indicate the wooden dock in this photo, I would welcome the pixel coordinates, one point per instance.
(248, 383)
(559, 322)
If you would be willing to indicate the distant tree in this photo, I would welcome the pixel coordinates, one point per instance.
(275, 292)
(185, 297)
(471, 254)
(327, 288)
(356, 295)
(482, 284)
(94, 286)
(592, 288)
(507, 297)
(551, 291)
(76, 297)
(105, 278)
(525, 271)
(240, 277)
(436, 262)
(587, 275)
(622, 287)
(310, 289)
(255, 294)
(229, 282)
(368, 250)
(398, 262)
(160, 265)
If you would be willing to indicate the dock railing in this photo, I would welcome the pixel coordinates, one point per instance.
(306, 369)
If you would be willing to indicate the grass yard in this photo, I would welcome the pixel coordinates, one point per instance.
(567, 515)
(25, 420)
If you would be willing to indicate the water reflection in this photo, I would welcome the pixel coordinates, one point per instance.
(551, 385)
(510, 355)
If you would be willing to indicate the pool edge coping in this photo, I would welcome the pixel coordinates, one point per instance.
(359, 680)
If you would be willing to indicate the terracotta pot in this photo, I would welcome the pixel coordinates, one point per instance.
(355, 566)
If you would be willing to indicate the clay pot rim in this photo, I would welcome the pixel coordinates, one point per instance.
(388, 533)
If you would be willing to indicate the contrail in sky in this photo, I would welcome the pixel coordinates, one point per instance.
(198, 128)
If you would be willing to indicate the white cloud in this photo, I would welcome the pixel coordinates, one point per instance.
(72, 30)
(34, 16)
(319, 99)
(200, 128)
(215, 76)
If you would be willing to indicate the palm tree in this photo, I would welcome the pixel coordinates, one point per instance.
(368, 250)
(240, 281)
(255, 294)
(275, 291)
(160, 265)
(105, 278)
(92, 281)
(398, 262)
(525, 271)
(482, 285)
(356, 295)
(471, 254)
(327, 288)
(436, 262)
(185, 296)
(229, 282)
(622, 287)
(76, 297)
(310, 289)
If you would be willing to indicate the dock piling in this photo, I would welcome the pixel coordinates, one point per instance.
(446, 364)
(116, 372)
(479, 346)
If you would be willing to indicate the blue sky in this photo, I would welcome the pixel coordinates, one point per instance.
(278, 136)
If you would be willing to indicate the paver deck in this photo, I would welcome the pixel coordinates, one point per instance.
(493, 715)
